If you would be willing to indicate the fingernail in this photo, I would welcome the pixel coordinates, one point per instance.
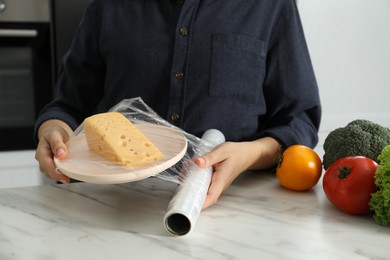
(63, 181)
(201, 160)
(60, 151)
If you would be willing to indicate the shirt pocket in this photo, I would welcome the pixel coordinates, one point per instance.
(237, 67)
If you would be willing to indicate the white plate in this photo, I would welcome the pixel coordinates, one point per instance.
(84, 165)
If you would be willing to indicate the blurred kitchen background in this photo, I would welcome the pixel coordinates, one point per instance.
(348, 40)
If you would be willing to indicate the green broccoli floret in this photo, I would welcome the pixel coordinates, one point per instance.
(380, 200)
(359, 137)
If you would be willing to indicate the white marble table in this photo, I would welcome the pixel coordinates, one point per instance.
(255, 219)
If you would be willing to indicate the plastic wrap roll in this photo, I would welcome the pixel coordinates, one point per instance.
(185, 207)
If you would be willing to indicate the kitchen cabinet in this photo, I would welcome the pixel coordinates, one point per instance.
(25, 70)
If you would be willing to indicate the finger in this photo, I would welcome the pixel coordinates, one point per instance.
(57, 145)
(220, 181)
(50, 170)
(61, 177)
(215, 156)
(223, 177)
(215, 191)
(45, 153)
(44, 157)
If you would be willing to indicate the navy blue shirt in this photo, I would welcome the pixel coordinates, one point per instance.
(242, 67)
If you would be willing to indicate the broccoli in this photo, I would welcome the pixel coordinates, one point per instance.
(380, 200)
(359, 137)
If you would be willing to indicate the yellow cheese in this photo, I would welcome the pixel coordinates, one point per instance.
(115, 138)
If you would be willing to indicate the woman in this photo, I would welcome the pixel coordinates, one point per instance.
(242, 67)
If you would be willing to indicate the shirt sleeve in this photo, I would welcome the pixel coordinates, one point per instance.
(290, 88)
(79, 86)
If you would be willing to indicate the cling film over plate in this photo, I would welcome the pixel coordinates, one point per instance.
(129, 143)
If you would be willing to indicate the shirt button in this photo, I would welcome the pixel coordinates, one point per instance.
(183, 31)
(179, 75)
(175, 117)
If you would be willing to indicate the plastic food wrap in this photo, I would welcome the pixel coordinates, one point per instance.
(85, 163)
(186, 205)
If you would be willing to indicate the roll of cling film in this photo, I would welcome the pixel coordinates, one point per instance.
(186, 205)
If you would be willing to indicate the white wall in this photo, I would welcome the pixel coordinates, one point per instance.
(349, 42)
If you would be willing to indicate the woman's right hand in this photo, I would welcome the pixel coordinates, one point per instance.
(52, 134)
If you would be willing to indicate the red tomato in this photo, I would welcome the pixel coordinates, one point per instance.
(349, 182)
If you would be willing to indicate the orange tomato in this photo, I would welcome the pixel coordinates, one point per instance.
(299, 168)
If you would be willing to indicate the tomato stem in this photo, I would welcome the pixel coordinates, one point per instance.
(344, 171)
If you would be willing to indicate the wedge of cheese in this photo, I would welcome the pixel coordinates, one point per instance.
(112, 136)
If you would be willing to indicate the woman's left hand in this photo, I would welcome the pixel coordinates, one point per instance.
(232, 158)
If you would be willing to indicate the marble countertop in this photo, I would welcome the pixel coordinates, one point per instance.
(255, 219)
